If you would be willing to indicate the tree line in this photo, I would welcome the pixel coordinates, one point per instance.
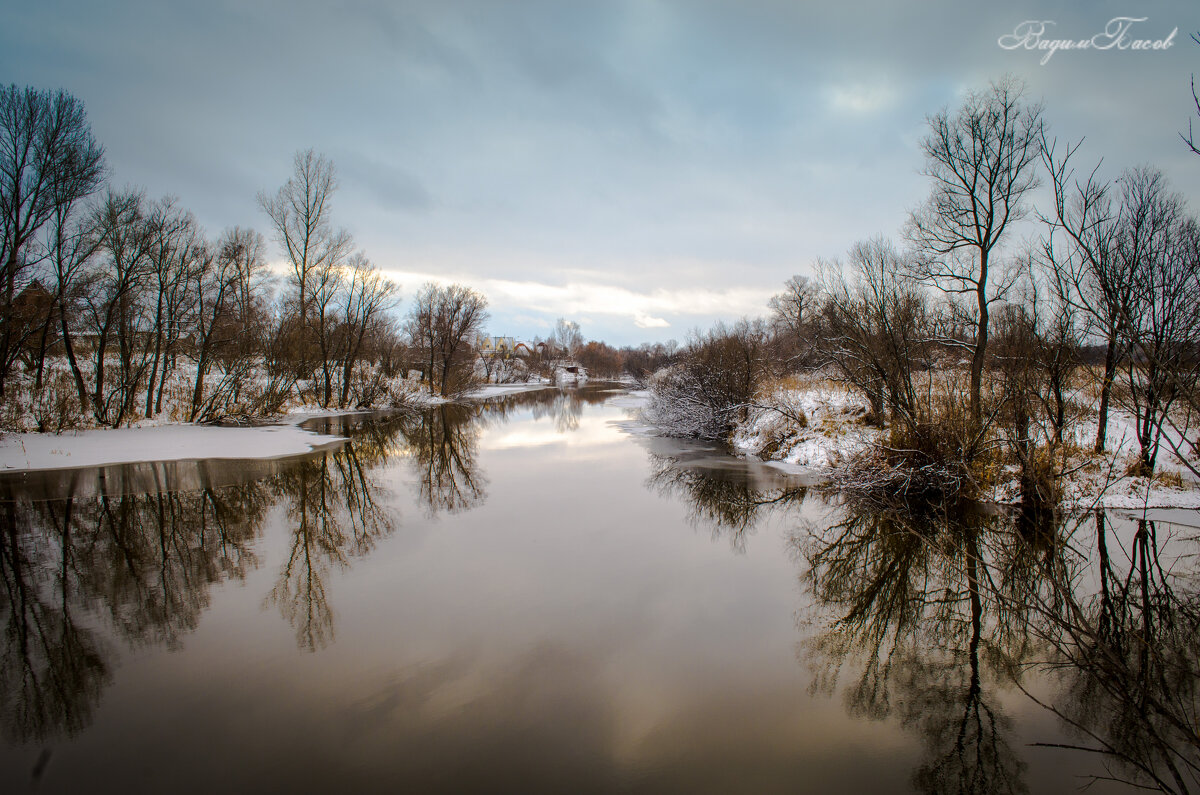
(975, 349)
(116, 307)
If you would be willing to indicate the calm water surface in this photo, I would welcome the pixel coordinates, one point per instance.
(533, 594)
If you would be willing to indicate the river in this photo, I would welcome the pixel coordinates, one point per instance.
(536, 594)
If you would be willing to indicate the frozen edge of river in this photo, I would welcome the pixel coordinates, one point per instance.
(35, 452)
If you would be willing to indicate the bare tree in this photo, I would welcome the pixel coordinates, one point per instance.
(600, 359)
(327, 282)
(792, 312)
(442, 324)
(1085, 270)
(712, 383)
(1189, 139)
(368, 296)
(982, 161)
(71, 239)
(789, 308)
(1035, 353)
(300, 213)
(114, 313)
(567, 336)
(47, 157)
(228, 320)
(1160, 247)
(876, 327)
(174, 244)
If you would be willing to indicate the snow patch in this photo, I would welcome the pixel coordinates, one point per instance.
(40, 451)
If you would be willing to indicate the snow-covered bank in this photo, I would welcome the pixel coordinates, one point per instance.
(186, 442)
(40, 451)
(833, 431)
(500, 390)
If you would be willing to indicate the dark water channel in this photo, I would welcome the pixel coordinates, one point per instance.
(532, 594)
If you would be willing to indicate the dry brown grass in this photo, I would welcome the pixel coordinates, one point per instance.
(805, 382)
(1169, 478)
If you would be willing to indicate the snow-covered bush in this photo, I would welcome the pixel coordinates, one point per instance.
(712, 385)
(772, 427)
(678, 407)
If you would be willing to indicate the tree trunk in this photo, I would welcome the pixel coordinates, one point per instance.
(41, 356)
(69, 347)
(6, 316)
(981, 341)
(157, 353)
(167, 366)
(198, 389)
(1106, 385)
(99, 408)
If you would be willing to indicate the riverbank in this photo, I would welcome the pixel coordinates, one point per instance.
(815, 426)
(166, 441)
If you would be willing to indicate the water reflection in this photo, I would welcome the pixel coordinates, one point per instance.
(563, 407)
(1131, 651)
(907, 587)
(731, 499)
(638, 660)
(334, 513)
(135, 568)
(89, 568)
(445, 447)
(95, 560)
(932, 612)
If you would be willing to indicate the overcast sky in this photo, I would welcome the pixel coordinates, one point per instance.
(643, 167)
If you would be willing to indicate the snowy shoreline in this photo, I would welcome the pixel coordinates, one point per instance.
(835, 432)
(39, 452)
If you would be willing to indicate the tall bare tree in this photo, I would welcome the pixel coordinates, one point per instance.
(792, 312)
(174, 244)
(983, 161)
(228, 320)
(1080, 251)
(1160, 246)
(791, 308)
(300, 212)
(114, 311)
(70, 240)
(47, 156)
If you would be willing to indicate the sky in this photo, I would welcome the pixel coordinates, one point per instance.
(642, 167)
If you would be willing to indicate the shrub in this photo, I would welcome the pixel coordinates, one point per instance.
(713, 383)
(938, 453)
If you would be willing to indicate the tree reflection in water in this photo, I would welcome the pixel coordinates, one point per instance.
(83, 575)
(728, 500)
(136, 568)
(335, 513)
(929, 614)
(1125, 626)
(938, 609)
(908, 591)
(443, 443)
(562, 406)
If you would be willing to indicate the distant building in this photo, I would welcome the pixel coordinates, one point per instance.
(497, 346)
(570, 372)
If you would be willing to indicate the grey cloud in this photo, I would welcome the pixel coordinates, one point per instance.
(651, 142)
